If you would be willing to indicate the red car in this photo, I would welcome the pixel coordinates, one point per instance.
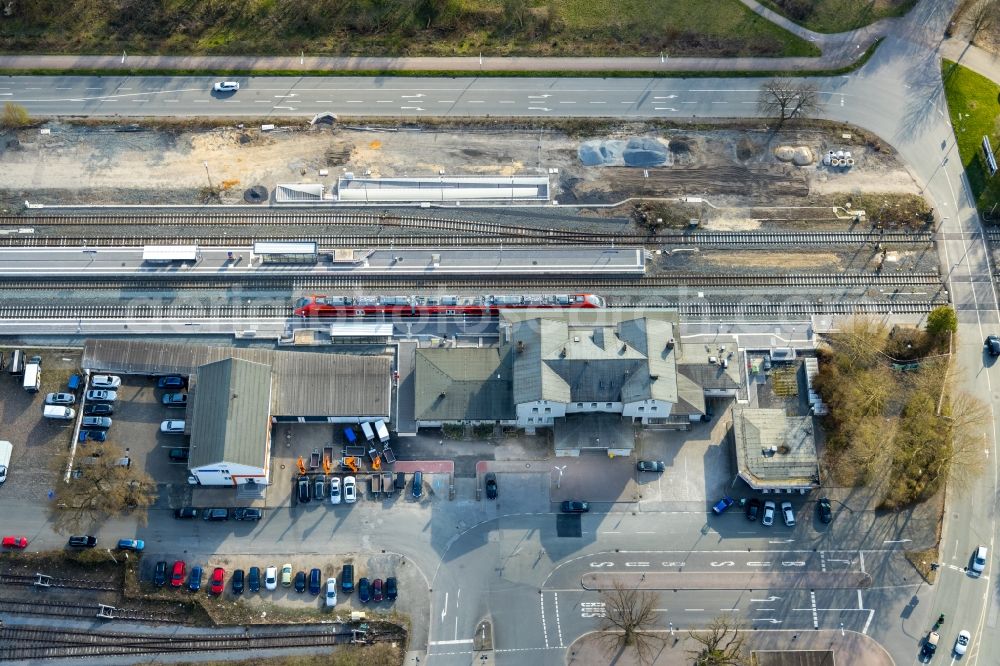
(15, 542)
(177, 577)
(377, 590)
(217, 584)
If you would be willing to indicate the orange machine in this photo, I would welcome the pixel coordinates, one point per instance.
(349, 462)
(302, 465)
(377, 463)
(327, 467)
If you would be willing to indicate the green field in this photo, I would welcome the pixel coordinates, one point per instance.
(974, 105)
(838, 15)
(396, 28)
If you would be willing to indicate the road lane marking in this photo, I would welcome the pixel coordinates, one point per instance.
(456, 628)
(444, 609)
(812, 599)
(545, 629)
(555, 596)
(768, 599)
(694, 610)
(862, 554)
(822, 561)
(871, 615)
(861, 602)
(458, 641)
(324, 101)
(458, 597)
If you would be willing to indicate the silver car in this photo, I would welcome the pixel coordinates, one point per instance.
(105, 382)
(60, 399)
(768, 518)
(788, 514)
(102, 395)
(172, 427)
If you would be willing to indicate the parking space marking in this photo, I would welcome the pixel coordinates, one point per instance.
(545, 629)
(555, 596)
(822, 561)
(812, 600)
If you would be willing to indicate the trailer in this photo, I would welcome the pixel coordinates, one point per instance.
(328, 458)
(383, 432)
(366, 428)
(375, 483)
(314, 459)
(387, 453)
(387, 486)
(355, 451)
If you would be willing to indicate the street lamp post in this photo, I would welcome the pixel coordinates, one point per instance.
(207, 174)
(559, 479)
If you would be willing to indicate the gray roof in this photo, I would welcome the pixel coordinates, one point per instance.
(307, 383)
(626, 361)
(794, 465)
(230, 418)
(463, 384)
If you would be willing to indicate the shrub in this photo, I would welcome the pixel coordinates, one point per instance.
(14, 116)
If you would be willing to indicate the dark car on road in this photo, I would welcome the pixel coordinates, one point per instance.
(650, 466)
(179, 455)
(83, 541)
(160, 574)
(824, 509)
(575, 506)
(175, 400)
(185, 512)
(247, 513)
(194, 580)
(314, 581)
(377, 590)
(302, 486)
(98, 410)
(364, 590)
(723, 504)
(753, 509)
(253, 579)
(347, 578)
(300, 582)
(94, 435)
(131, 544)
(417, 485)
(491, 486)
(171, 382)
(992, 345)
(102, 422)
(216, 514)
(238, 581)
(390, 588)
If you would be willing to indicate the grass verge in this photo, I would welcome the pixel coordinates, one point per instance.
(974, 107)
(921, 561)
(832, 16)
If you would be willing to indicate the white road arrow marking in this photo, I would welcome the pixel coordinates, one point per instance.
(793, 564)
(758, 564)
(637, 564)
(780, 540)
(411, 108)
(664, 108)
(896, 541)
(767, 619)
(602, 564)
(538, 96)
(417, 96)
(290, 108)
(671, 564)
(538, 108)
(768, 599)
(667, 97)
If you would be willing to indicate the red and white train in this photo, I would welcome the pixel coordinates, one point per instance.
(424, 306)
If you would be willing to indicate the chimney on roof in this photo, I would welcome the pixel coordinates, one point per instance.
(562, 354)
(442, 394)
(670, 343)
(653, 378)
(520, 346)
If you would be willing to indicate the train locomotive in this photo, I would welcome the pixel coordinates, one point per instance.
(431, 306)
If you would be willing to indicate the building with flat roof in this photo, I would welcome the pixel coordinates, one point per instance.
(465, 385)
(775, 452)
(229, 423)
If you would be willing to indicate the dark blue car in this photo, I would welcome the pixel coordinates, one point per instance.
(194, 580)
(171, 382)
(95, 435)
(723, 504)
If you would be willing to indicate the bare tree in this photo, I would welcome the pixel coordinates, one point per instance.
(101, 487)
(785, 99)
(965, 458)
(982, 15)
(629, 619)
(722, 644)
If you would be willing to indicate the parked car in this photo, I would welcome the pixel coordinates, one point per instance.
(575, 506)
(99, 409)
(768, 518)
(247, 513)
(350, 490)
(93, 435)
(171, 427)
(335, 490)
(179, 455)
(302, 486)
(650, 466)
(226, 86)
(194, 580)
(364, 590)
(962, 642)
(160, 574)
(824, 509)
(314, 581)
(15, 542)
(979, 559)
(96, 422)
(60, 399)
(253, 579)
(175, 400)
(491, 486)
(178, 573)
(417, 485)
(992, 345)
(238, 581)
(215, 514)
(390, 588)
(185, 512)
(787, 514)
(331, 592)
(400, 481)
(300, 581)
(753, 509)
(319, 489)
(377, 590)
(101, 395)
(171, 382)
(217, 581)
(131, 544)
(82, 541)
(286, 575)
(271, 578)
(105, 382)
(723, 504)
(347, 578)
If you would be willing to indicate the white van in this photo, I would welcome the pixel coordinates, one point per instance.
(383, 432)
(366, 428)
(32, 377)
(58, 412)
(5, 450)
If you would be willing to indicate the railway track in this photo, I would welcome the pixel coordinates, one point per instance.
(38, 643)
(56, 609)
(213, 313)
(476, 285)
(65, 583)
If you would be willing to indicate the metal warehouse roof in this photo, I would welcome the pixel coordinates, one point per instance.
(305, 383)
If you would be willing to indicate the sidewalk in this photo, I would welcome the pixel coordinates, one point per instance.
(977, 59)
